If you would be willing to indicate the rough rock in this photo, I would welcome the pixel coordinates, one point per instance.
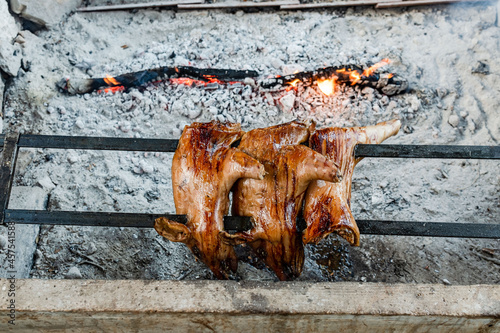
(10, 53)
(23, 197)
(481, 68)
(45, 13)
(146, 167)
(286, 103)
(453, 120)
(73, 273)
(46, 183)
(7, 22)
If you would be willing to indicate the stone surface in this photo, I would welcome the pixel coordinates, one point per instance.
(229, 306)
(23, 197)
(46, 183)
(73, 273)
(262, 297)
(8, 24)
(453, 120)
(45, 13)
(10, 58)
(10, 53)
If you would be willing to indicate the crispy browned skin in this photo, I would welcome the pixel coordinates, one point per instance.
(275, 201)
(327, 205)
(204, 169)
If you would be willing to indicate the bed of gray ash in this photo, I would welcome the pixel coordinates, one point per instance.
(448, 54)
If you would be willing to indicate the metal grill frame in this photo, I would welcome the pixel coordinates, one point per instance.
(12, 142)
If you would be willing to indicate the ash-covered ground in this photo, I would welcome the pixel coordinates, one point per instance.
(447, 53)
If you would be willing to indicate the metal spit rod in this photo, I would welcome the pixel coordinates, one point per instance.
(12, 143)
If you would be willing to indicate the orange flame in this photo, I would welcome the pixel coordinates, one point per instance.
(111, 81)
(184, 81)
(354, 77)
(294, 82)
(327, 86)
(192, 82)
(372, 69)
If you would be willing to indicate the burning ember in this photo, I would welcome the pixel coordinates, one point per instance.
(200, 83)
(327, 87)
(372, 69)
(292, 85)
(136, 79)
(112, 90)
(347, 76)
(114, 85)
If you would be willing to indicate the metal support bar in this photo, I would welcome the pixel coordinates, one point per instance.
(7, 168)
(170, 145)
(241, 223)
(97, 143)
(428, 151)
(429, 229)
(104, 219)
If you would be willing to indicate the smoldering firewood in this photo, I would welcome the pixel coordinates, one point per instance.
(136, 79)
(389, 84)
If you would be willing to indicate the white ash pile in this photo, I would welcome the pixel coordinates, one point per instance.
(448, 54)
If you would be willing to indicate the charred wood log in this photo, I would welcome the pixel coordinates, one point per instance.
(389, 84)
(139, 78)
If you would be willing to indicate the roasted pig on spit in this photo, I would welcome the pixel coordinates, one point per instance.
(274, 202)
(204, 169)
(327, 205)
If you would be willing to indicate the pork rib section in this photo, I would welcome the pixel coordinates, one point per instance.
(327, 205)
(204, 169)
(274, 202)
